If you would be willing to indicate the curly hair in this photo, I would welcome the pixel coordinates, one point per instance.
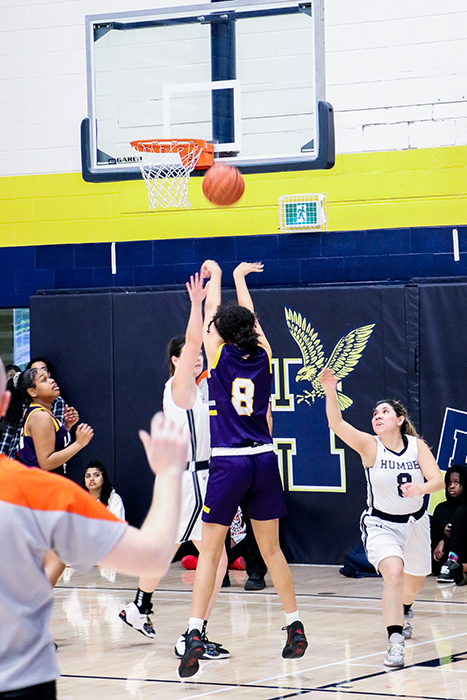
(407, 427)
(19, 397)
(236, 325)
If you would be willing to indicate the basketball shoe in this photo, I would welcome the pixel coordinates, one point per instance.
(451, 572)
(194, 651)
(213, 651)
(296, 643)
(139, 621)
(407, 629)
(396, 649)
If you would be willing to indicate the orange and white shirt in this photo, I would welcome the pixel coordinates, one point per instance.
(40, 511)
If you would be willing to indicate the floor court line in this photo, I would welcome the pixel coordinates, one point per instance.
(328, 687)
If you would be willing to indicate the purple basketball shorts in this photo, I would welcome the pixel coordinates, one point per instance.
(253, 480)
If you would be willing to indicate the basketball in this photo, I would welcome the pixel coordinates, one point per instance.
(223, 185)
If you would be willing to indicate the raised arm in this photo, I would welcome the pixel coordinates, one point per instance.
(239, 274)
(210, 270)
(363, 443)
(183, 385)
(244, 297)
(149, 551)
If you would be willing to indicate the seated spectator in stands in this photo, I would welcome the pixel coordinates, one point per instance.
(448, 527)
(11, 370)
(96, 481)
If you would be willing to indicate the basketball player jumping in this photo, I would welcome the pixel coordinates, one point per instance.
(186, 404)
(243, 464)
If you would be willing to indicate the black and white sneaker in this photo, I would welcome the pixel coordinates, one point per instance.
(139, 621)
(296, 643)
(214, 650)
(194, 651)
(451, 572)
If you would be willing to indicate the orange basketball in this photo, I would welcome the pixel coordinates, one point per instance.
(223, 185)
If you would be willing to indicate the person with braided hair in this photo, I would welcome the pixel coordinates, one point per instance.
(243, 466)
(400, 470)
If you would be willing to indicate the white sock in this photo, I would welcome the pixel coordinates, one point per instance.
(291, 617)
(195, 623)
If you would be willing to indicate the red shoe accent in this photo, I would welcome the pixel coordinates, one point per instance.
(189, 562)
(239, 564)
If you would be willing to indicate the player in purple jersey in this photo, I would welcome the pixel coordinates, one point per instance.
(44, 441)
(243, 464)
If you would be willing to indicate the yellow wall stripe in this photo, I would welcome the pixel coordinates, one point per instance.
(412, 188)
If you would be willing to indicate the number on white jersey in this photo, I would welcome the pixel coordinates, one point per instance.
(403, 479)
(243, 391)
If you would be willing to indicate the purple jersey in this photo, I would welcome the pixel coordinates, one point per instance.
(27, 452)
(239, 390)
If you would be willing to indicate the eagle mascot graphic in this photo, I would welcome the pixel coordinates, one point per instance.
(343, 360)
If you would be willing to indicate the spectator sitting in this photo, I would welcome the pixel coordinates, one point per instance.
(96, 481)
(11, 370)
(449, 528)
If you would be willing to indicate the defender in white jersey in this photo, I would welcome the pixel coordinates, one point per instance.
(400, 470)
(186, 404)
(195, 479)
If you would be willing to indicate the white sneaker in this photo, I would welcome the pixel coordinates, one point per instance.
(407, 629)
(395, 657)
(132, 617)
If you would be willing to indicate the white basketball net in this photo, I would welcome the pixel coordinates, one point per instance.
(167, 170)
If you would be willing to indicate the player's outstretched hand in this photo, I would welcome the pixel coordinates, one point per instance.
(166, 447)
(208, 267)
(195, 288)
(245, 268)
(84, 434)
(328, 380)
(70, 416)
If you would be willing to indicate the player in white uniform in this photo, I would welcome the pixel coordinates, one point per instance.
(400, 470)
(186, 404)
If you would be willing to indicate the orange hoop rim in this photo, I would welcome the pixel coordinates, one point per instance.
(155, 145)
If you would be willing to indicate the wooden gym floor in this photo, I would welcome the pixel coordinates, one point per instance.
(101, 657)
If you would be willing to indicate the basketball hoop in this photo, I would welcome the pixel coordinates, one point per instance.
(166, 165)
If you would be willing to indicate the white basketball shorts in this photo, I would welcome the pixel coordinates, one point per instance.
(409, 541)
(194, 485)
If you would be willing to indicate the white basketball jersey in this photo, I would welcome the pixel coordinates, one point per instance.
(389, 472)
(196, 419)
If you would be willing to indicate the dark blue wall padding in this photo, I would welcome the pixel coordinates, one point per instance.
(443, 358)
(109, 352)
(74, 332)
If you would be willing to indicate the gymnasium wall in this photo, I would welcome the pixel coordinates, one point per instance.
(405, 341)
(395, 75)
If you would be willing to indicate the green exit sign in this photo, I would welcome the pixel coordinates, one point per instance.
(302, 212)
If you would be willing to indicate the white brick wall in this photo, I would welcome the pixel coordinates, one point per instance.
(396, 74)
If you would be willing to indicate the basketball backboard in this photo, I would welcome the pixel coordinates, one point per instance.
(245, 75)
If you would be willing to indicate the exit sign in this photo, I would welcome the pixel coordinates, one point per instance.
(302, 212)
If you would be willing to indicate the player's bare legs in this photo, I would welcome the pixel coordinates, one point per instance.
(392, 571)
(221, 569)
(208, 569)
(148, 584)
(267, 537)
(412, 587)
